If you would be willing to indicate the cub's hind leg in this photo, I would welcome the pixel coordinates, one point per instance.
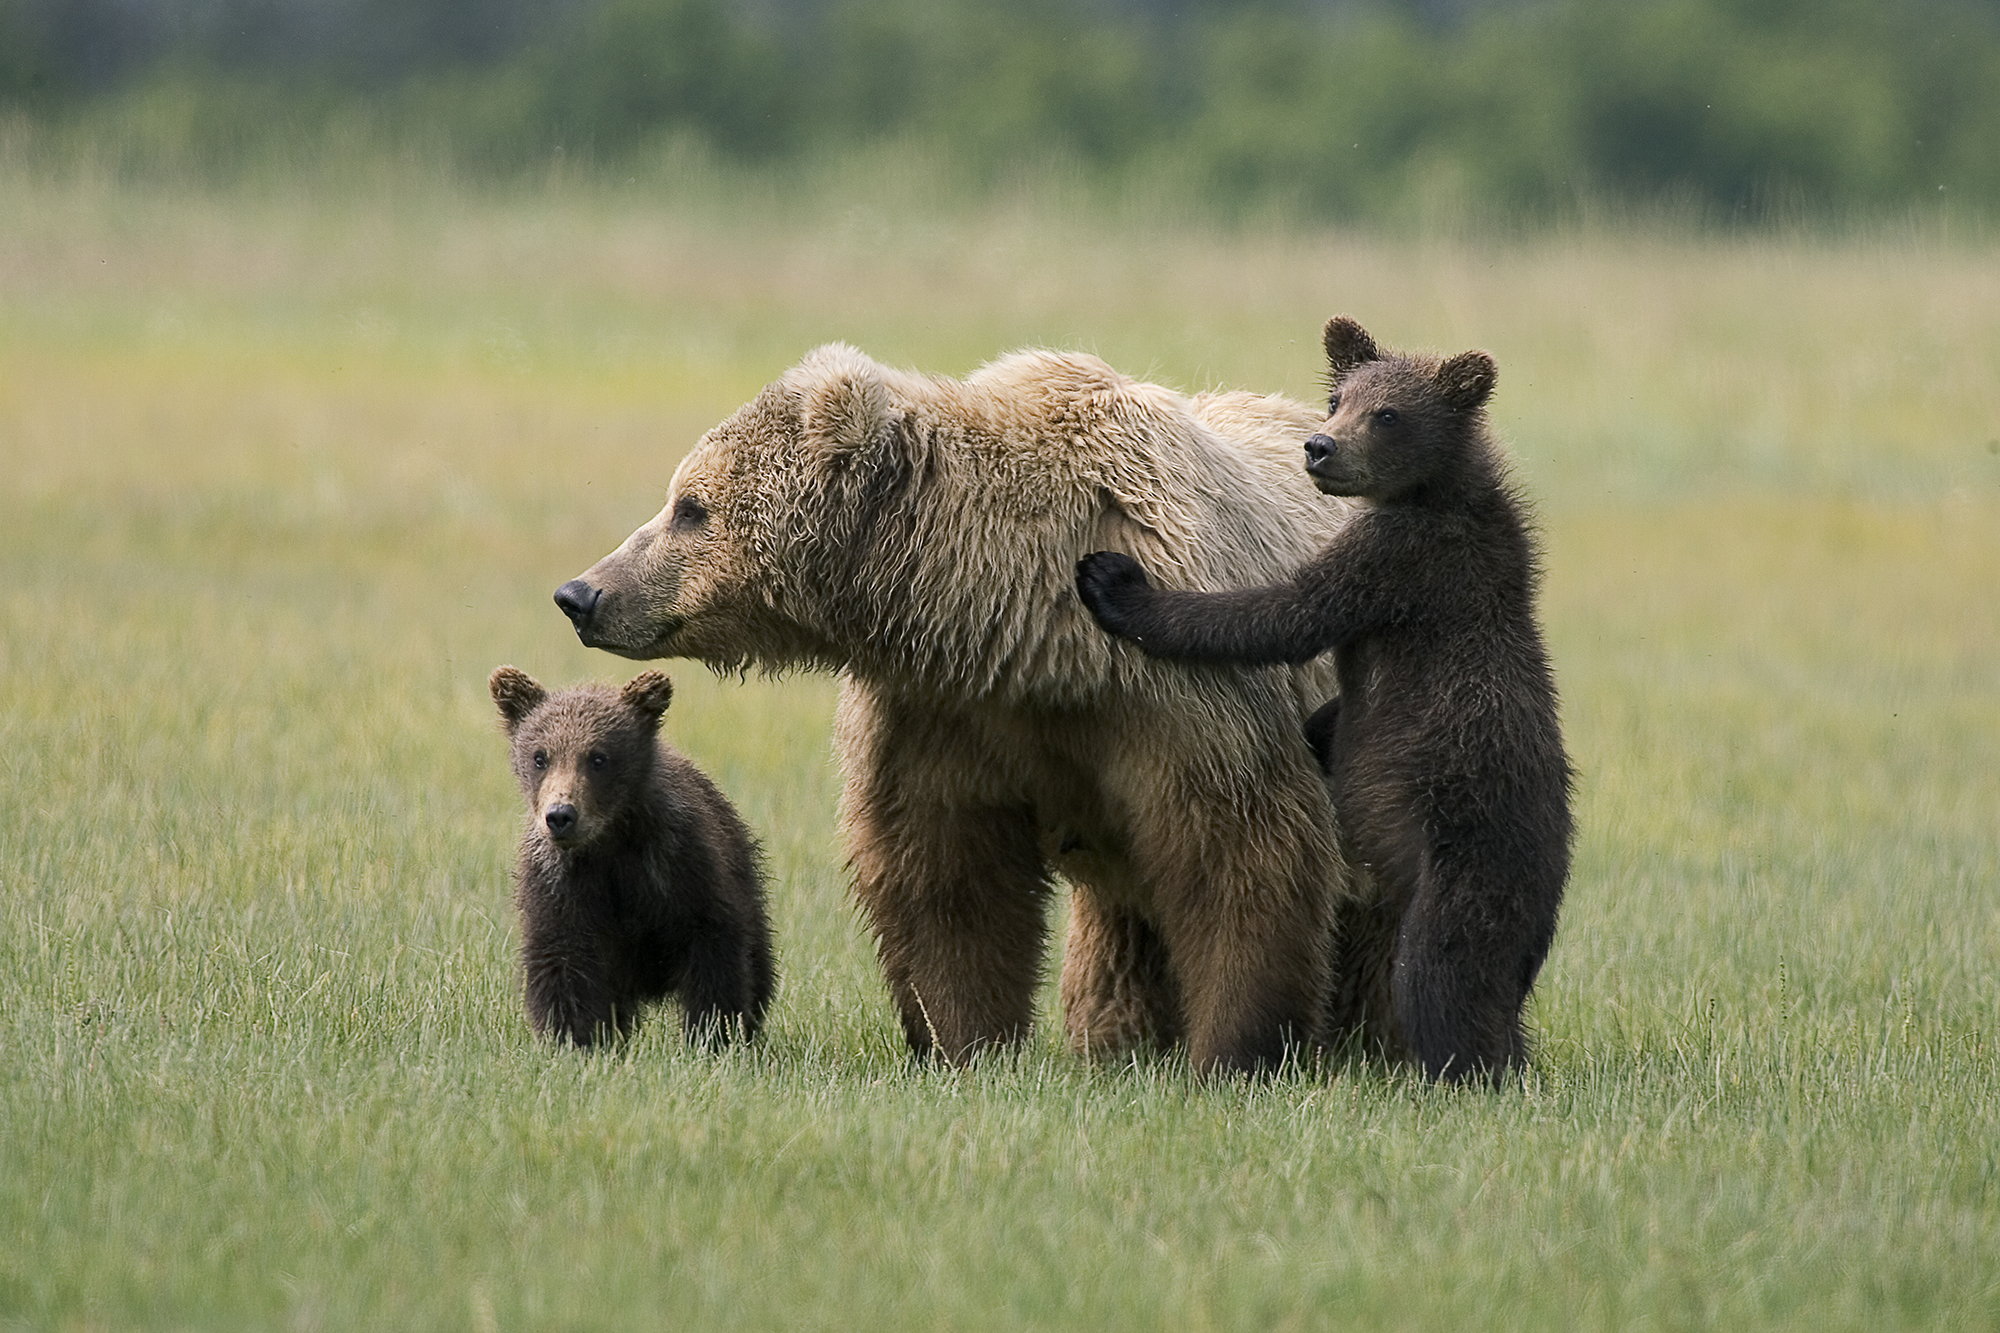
(1458, 979)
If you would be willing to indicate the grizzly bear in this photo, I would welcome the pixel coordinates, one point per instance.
(636, 878)
(1443, 748)
(919, 536)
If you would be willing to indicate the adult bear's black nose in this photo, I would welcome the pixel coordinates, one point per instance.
(1319, 448)
(577, 600)
(561, 820)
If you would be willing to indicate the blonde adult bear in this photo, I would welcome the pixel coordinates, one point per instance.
(919, 536)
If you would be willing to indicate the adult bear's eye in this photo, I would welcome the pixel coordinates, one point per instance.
(597, 760)
(541, 759)
(1332, 403)
(688, 514)
(1388, 416)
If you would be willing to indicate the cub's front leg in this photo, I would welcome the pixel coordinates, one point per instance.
(567, 994)
(1245, 627)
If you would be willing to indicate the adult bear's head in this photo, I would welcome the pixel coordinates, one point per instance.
(767, 551)
(922, 533)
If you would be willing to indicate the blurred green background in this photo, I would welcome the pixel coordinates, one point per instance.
(1515, 111)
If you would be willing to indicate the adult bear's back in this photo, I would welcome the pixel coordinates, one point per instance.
(1040, 457)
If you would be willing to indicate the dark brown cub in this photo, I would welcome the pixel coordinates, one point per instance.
(636, 880)
(1443, 751)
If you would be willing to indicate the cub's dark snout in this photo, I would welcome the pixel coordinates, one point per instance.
(561, 820)
(1329, 465)
(577, 599)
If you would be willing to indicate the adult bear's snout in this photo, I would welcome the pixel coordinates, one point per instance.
(577, 600)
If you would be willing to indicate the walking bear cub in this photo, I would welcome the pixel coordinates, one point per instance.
(636, 880)
(1443, 752)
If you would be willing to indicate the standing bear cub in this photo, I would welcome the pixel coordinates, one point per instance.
(636, 878)
(1443, 752)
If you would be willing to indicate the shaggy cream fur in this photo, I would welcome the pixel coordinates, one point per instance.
(920, 536)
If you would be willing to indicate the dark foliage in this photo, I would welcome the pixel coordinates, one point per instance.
(1333, 109)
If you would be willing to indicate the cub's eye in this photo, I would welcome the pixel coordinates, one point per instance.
(1332, 403)
(689, 513)
(1388, 416)
(597, 760)
(541, 759)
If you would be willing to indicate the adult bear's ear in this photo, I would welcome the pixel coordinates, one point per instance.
(649, 692)
(842, 397)
(1347, 346)
(1466, 381)
(516, 692)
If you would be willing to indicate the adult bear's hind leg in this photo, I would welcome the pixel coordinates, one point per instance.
(1118, 984)
(1363, 948)
(1245, 916)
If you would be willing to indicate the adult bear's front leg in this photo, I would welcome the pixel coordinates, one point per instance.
(952, 881)
(958, 900)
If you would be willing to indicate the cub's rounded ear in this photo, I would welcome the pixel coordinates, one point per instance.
(1466, 381)
(649, 692)
(1347, 346)
(842, 398)
(516, 692)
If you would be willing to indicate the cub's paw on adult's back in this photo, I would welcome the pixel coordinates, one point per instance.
(1113, 585)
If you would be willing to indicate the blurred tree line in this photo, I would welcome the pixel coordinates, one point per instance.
(1330, 108)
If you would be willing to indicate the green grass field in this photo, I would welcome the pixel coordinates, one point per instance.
(284, 474)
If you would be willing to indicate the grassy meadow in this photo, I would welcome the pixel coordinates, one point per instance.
(285, 472)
